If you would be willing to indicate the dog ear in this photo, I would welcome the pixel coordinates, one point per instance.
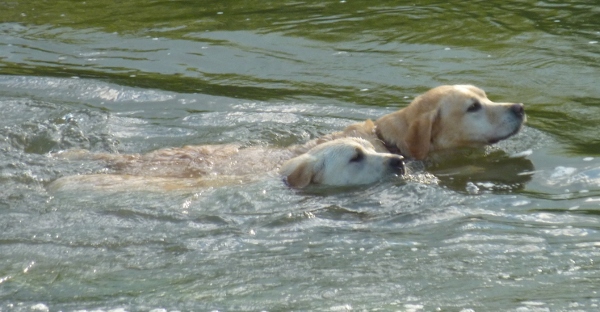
(419, 135)
(298, 171)
(301, 176)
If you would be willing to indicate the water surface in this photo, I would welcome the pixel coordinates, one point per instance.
(512, 228)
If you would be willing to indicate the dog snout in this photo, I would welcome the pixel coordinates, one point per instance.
(397, 164)
(518, 109)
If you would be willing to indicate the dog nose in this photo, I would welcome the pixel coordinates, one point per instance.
(397, 164)
(518, 109)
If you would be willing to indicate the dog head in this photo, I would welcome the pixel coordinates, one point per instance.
(345, 161)
(450, 117)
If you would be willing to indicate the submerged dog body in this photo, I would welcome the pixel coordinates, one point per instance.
(340, 162)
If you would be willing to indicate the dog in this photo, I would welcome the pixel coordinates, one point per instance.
(445, 117)
(340, 162)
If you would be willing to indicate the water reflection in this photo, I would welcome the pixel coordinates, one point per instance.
(471, 171)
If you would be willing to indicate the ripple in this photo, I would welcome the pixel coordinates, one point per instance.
(81, 89)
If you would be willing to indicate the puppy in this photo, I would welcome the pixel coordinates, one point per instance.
(445, 117)
(340, 162)
(346, 161)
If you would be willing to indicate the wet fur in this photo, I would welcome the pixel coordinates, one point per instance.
(345, 161)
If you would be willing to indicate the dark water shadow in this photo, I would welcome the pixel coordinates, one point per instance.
(477, 171)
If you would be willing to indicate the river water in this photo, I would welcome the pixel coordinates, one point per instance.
(515, 227)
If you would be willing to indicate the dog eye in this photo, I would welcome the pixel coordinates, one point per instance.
(359, 156)
(474, 107)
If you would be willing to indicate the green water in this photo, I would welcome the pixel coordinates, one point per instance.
(512, 228)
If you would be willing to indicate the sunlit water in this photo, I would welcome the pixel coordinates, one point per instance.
(514, 227)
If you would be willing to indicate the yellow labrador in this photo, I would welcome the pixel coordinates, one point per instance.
(340, 162)
(345, 161)
(442, 118)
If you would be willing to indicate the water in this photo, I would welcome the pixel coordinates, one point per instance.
(511, 228)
